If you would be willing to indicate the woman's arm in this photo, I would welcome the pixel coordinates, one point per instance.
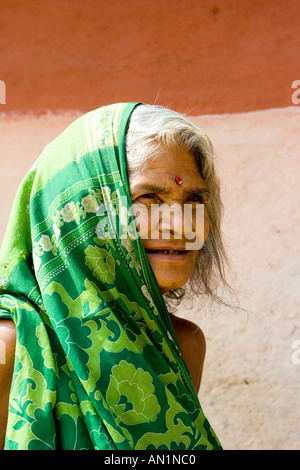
(192, 343)
(7, 357)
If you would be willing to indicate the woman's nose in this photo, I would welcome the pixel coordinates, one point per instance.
(183, 222)
(171, 223)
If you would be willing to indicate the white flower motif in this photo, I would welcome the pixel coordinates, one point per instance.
(124, 216)
(90, 204)
(69, 212)
(106, 191)
(3, 282)
(126, 242)
(147, 295)
(45, 243)
(56, 231)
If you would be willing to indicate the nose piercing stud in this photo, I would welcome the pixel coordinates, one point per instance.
(178, 180)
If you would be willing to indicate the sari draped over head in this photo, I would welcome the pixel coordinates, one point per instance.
(97, 363)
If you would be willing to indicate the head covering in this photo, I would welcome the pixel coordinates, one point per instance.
(97, 362)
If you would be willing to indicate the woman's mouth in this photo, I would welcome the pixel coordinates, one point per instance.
(168, 255)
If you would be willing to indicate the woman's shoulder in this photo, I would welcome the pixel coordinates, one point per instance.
(7, 358)
(192, 343)
(188, 330)
(7, 347)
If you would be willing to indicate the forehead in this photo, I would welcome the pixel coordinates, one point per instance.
(166, 166)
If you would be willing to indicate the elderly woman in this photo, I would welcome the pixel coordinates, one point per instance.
(93, 358)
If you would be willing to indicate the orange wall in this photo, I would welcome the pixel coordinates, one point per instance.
(213, 56)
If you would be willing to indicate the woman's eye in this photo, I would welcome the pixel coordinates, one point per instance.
(197, 200)
(148, 197)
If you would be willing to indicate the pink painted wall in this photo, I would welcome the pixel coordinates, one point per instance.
(204, 57)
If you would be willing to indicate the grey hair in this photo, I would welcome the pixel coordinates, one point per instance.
(153, 128)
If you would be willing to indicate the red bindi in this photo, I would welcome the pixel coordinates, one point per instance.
(178, 180)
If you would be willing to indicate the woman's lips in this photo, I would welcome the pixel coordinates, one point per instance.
(168, 255)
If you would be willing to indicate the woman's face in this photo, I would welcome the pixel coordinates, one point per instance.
(171, 238)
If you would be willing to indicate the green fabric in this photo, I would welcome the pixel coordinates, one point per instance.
(97, 362)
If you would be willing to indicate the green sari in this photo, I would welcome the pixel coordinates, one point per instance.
(97, 363)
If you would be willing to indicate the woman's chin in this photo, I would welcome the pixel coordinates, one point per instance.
(172, 271)
(169, 279)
